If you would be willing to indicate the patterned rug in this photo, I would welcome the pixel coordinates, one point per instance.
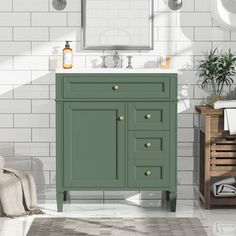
(117, 227)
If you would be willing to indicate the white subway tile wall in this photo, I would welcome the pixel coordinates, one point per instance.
(32, 35)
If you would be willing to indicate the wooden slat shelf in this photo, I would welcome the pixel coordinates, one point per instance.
(223, 168)
(215, 147)
(221, 173)
(229, 201)
(224, 134)
(223, 162)
(217, 154)
(223, 154)
(225, 141)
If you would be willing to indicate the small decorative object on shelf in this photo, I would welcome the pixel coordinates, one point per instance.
(129, 62)
(216, 71)
(217, 156)
(164, 62)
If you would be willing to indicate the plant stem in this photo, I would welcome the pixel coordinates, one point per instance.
(214, 88)
(221, 88)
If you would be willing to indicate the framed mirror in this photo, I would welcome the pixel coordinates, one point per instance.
(117, 24)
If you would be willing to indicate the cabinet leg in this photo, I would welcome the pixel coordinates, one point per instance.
(167, 195)
(65, 195)
(172, 197)
(60, 196)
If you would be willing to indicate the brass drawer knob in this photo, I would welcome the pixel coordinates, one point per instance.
(148, 116)
(147, 145)
(147, 173)
(115, 87)
(121, 118)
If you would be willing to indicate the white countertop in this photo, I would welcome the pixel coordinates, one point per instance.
(117, 71)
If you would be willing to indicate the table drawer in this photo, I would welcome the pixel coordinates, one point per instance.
(148, 174)
(148, 116)
(148, 144)
(86, 87)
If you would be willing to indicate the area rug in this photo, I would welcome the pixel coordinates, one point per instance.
(116, 227)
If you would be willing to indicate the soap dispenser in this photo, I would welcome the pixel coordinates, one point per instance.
(67, 56)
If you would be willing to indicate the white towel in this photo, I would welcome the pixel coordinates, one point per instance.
(17, 193)
(229, 114)
(224, 188)
(229, 120)
(225, 104)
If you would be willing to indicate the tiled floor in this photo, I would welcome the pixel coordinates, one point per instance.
(216, 222)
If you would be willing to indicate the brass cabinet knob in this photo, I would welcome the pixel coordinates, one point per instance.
(121, 118)
(115, 87)
(148, 145)
(147, 173)
(148, 116)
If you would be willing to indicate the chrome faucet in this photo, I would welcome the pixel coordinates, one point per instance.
(116, 59)
(129, 62)
(103, 62)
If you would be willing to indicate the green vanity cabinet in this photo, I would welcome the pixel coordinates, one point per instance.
(116, 132)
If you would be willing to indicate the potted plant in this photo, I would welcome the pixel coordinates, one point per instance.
(216, 71)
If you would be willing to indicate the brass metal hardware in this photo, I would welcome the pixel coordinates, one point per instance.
(115, 87)
(121, 118)
(148, 145)
(147, 173)
(148, 116)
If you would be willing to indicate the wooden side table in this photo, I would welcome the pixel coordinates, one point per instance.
(217, 155)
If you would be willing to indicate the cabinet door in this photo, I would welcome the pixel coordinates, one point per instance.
(94, 144)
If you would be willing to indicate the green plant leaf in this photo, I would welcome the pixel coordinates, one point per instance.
(217, 69)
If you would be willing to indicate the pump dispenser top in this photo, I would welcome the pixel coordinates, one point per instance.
(68, 44)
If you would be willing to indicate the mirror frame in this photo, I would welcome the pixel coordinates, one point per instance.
(116, 47)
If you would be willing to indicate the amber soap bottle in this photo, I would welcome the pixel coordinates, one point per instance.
(67, 56)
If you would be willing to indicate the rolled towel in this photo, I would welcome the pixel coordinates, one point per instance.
(224, 188)
(225, 104)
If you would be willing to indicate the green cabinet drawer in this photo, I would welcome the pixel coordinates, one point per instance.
(93, 144)
(148, 144)
(148, 116)
(110, 86)
(148, 173)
